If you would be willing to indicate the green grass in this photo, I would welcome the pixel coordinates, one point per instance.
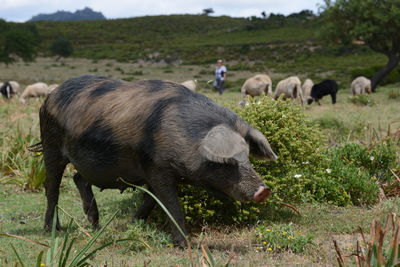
(22, 212)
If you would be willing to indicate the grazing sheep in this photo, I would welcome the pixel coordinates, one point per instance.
(361, 85)
(257, 85)
(6, 90)
(306, 88)
(289, 88)
(15, 87)
(319, 90)
(10, 88)
(190, 84)
(34, 90)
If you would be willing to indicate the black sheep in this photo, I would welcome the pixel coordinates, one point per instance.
(319, 90)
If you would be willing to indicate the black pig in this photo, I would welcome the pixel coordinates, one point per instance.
(149, 132)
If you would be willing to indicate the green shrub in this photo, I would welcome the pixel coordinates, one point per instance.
(363, 100)
(278, 238)
(376, 160)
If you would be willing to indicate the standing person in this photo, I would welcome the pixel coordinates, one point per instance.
(220, 76)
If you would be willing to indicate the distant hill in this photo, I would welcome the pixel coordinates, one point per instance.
(84, 14)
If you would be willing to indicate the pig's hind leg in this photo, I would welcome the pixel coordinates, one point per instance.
(88, 200)
(55, 165)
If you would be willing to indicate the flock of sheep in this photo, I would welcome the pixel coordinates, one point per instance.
(289, 88)
(307, 92)
(10, 88)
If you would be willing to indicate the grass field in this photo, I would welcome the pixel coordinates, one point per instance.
(22, 211)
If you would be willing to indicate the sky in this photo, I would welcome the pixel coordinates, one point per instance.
(23, 10)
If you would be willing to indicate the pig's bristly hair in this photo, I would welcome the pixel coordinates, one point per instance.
(223, 145)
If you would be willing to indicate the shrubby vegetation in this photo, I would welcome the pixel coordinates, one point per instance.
(18, 41)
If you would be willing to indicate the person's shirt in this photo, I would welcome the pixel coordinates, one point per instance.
(220, 72)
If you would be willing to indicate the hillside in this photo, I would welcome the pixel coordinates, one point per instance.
(193, 38)
(84, 14)
(281, 44)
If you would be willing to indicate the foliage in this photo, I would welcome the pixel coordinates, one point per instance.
(370, 22)
(373, 22)
(62, 48)
(278, 238)
(362, 100)
(61, 250)
(376, 160)
(20, 165)
(17, 41)
(298, 144)
(207, 11)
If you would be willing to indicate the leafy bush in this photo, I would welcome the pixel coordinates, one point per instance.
(363, 100)
(278, 238)
(376, 160)
(61, 48)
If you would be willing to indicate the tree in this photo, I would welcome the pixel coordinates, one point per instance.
(208, 11)
(264, 15)
(61, 48)
(373, 22)
(17, 41)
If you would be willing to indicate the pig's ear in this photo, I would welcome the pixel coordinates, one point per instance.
(223, 145)
(259, 146)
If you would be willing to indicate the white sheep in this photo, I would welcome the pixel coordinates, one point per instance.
(306, 88)
(190, 84)
(34, 90)
(257, 85)
(361, 85)
(289, 88)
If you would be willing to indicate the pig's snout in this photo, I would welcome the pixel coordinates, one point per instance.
(262, 194)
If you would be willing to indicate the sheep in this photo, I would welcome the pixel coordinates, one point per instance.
(319, 90)
(361, 85)
(257, 85)
(14, 87)
(306, 88)
(34, 90)
(289, 88)
(190, 84)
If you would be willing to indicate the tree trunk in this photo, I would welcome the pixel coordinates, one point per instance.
(381, 74)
